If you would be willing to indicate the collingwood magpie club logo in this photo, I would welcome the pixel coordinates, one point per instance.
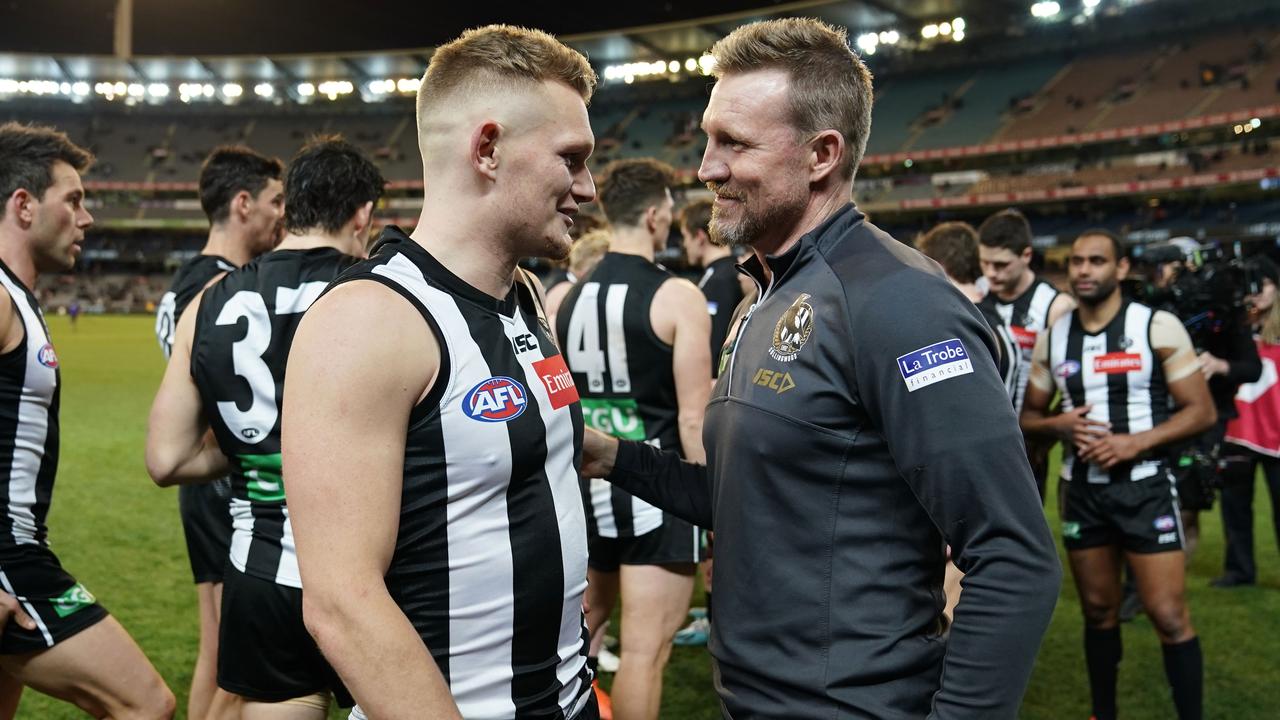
(793, 330)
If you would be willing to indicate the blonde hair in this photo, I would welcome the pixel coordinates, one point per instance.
(830, 85)
(500, 55)
(587, 252)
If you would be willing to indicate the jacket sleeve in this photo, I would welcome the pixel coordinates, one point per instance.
(1243, 363)
(664, 480)
(930, 385)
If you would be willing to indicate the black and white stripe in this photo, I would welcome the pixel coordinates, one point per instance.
(491, 557)
(1026, 317)
(30, 383)
(1132, 397)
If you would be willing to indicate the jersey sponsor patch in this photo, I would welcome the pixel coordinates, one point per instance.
(1117, 363)
(48, 357)
(1166, 538)
(1165, 523)
(496, 399)
(76, 598)
(1071, 530)
(1026, 338)
(934, 363)
(558, 381)
(1067, 368)
(618, 417)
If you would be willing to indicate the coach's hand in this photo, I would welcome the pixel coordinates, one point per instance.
(11, 610)
(599, 451)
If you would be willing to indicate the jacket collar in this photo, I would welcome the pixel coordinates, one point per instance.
(820, 238)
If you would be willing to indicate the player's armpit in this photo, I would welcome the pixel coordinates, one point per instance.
(361, 360)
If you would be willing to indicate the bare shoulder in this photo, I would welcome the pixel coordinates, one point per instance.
(678, 290)
(11, 328)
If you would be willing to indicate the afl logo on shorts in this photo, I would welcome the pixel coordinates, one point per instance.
(48, 357)
(793, 330)
(497, 399)
(1067, 368)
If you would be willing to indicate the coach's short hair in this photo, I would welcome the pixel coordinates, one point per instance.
(497, 55)
(1006, 229)
(954, 245)
(328, 181)
(629, 187)
(696, 216)
(27, 155)
(227, 171)
(830, 85)
(1117, 243)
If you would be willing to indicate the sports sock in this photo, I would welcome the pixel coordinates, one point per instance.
(1102, 652)
(1184, 666)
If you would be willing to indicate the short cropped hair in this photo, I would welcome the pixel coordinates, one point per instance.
(954, 245)
(629, 187)
(830, 85)
(587, 252)
(1006, 229)
(227, 171)
(696, 216)
(328, 181)
(1117, 244)
(27, 155)
(497, 54)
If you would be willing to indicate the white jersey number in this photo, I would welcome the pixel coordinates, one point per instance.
(585, 354)
(165, 324)
(256, 423)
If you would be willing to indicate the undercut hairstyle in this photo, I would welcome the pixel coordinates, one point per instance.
(27, 156)
(227, 171)
(629, 187)
(1117, 245)
(696, 216)
(328, 181)
(830, 86)
(500, 56)
(1006, 229)
(954, 246)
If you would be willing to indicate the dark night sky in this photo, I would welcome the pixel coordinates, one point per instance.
(218, 27)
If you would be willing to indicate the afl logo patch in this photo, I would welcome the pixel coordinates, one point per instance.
(48, 357)
(497, 399)
(793, 330)
(1067, 368)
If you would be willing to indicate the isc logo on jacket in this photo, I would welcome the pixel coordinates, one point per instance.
(496, 399)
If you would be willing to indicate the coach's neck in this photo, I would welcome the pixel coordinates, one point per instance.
(825, 200)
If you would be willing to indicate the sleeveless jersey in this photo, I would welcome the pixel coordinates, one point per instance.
(1010, 353)
(238, 355)
(1118, 372)
(719, 283)
(188, 281)
(624, 373)
(30, 387)
(1026, 317)
(490, 564)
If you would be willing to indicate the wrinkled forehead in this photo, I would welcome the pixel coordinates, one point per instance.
(756, 100)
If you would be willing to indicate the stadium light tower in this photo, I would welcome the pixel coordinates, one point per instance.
(123, 38)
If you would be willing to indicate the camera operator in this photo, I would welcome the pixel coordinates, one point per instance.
(1253, 437)
(1204, 288)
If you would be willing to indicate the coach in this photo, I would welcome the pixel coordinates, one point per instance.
(859, 427)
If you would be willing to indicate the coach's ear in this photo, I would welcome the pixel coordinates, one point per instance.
(484, 148)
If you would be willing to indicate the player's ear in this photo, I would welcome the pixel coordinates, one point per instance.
(241, 204)
(1122, 268)
(21, 205)
(483, 149)
(363, 218)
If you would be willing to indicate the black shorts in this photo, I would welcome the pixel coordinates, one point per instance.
(206, 522)
(674, 542)
(1140, 516)
(264, 651)
(60, 606)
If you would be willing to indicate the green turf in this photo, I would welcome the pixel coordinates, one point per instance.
(120, 535)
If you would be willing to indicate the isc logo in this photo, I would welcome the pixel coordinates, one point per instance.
(497, 399)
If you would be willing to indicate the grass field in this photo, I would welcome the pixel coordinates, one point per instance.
(120, 536)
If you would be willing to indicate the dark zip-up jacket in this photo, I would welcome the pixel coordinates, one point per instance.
(860, 426)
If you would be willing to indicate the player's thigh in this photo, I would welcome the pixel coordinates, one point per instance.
(601, 597)
(100, 669)
(655, 602)
(1161, 582)
(1097, 575)
(311, 707)
(10, 694)
(209, 597)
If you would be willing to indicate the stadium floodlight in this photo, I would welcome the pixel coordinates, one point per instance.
(232, 90)
(958, 24)
(673, 66)
(158, 90)
(707, 63)
(1045, 9)
(65, 88)
(867, 43)
(1255, 122)
(207, 90)
(80, 89)
(944, 28)
(928, 32)
(136, 90)
(409, 85)
(1090, 4)
(691, 65)
(306, 89)
(8, 86)
(264, 90)
(120, 88)
(958, 35)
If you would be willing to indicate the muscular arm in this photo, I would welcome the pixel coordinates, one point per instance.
(1072, 426)
(678, 316)
(180, 447)
(360, 361)
(957, 445)
(658, 477)
(1060, 306)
